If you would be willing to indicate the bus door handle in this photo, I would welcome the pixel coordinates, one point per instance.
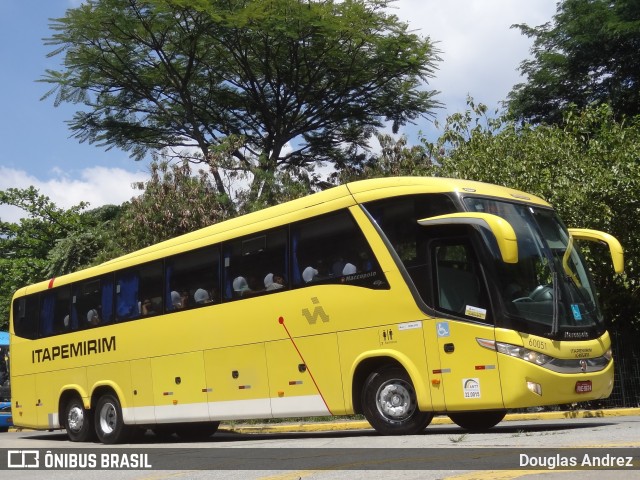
(449, 347)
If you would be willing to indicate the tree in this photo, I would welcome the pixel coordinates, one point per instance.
(25, 245)
(296, 82)
(173, 202)
(588, 54)
(35, 233)
(395, 158)
(95, 242)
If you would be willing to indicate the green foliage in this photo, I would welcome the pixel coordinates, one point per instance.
(34, 234)
(95, 242)
(26, 245)
(395, 158)
(14, 274)
(173, 202)
(587, 55)
(297, 82)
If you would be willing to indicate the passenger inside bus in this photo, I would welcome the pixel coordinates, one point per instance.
(349, 269)
(309, 274)
(93, 318)
(273, 281)
(201, 297)
(177, 301)
(241, 287)
(147, 307)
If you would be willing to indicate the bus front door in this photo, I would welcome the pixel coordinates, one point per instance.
(469, 372)
(468, 362)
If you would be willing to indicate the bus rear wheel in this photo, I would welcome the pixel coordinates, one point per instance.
(77, 421)
(478, 421)
(390, 404)
(110, 426)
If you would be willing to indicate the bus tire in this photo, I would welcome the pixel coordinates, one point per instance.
(109, 424)
(196, 431)
(478, 421)
(390, 405)
(77, 421)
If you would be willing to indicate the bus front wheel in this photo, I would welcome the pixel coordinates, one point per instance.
(390, 405)
(478, 421)
(77, 421)
(110, 426)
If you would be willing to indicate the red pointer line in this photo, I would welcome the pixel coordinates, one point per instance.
(281, 321)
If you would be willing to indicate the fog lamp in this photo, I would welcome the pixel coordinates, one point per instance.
(535, 388)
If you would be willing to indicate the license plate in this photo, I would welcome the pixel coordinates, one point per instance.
(584, 386)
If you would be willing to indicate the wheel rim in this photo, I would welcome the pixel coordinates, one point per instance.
(75, 418)
(394, 400)
(108, 418)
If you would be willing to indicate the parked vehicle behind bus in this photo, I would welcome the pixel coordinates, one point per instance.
(5, 384)
(397, 298)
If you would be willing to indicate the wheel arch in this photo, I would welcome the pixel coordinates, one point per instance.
(106, 388)
(369, 362)
(66, 394)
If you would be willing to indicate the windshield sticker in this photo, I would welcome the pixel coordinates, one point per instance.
(575, 308)
(471, 387)
(475, 312)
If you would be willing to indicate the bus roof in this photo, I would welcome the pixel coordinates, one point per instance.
(334, 198)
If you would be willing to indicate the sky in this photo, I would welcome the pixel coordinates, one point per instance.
(480, 57)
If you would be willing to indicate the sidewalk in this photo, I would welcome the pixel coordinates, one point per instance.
(439, 420)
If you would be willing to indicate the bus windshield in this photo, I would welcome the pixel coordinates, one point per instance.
(549, 285)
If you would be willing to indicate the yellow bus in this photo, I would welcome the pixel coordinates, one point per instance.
(396, 298)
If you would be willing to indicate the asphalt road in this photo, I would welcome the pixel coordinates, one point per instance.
(549, 447)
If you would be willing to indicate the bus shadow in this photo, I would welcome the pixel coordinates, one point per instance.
(147, 437)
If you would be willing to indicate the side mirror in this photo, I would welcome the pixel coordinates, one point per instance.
(615, 249)
(498, 226)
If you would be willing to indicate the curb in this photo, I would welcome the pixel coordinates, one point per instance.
(439, 420)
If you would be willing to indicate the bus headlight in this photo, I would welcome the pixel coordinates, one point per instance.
(559, 365)
(523, 353)
(515, 351)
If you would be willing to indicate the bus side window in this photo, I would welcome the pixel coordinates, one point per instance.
(106, 299)
(62, 311)
(139, 291)
(47, 313)
(127, 287)
(86, 304)
(256, 265)
(458, 280)
(332, 249)
(55, 311)
(192, 279)
(25, 316)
